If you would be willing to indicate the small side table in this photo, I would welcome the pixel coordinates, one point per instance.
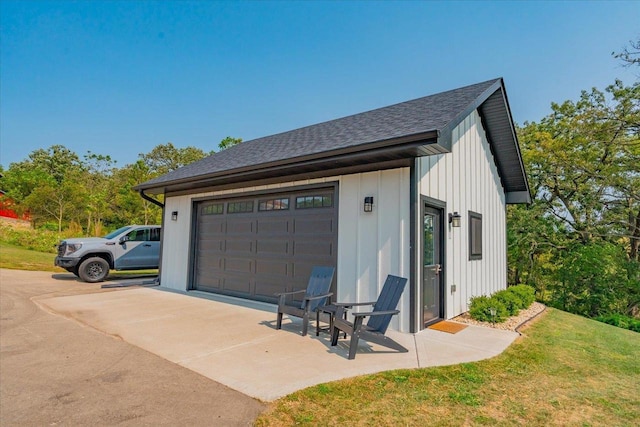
(331, 311)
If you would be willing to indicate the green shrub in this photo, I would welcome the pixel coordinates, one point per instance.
(48, 226)
(594, 279)
(36, 240)
(41, 239)
(621, 321)
(507, 303)
(480, 309)
(511, 301)
(526, 293)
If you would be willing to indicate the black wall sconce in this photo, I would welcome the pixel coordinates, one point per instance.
(174, 216)
(454, 219)
(368, 204)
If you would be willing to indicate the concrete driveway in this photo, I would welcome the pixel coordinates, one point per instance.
(234, 342)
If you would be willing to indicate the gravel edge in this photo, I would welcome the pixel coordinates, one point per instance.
(513, 323)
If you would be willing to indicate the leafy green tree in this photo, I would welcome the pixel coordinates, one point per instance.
(46, 184)
(99, 188)
(57, 161)
(584, 163)
(578, 242)
(127, 205)
(162, 159)
(55, 185)
(22, 178)
(165, 158)
(56, 201)
(229, 142)
(42, 167)
(534, 240)
(596, 279)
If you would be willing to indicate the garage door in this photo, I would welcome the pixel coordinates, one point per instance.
(253, 247)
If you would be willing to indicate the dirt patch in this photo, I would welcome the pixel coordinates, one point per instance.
(13, 222)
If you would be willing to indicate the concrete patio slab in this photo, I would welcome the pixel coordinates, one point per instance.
(234, 342)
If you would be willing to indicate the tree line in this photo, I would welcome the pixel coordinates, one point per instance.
(578, 243)
(60, 189)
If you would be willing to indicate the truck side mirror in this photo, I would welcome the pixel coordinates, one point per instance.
(124, 239)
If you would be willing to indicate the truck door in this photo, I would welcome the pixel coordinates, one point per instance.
(139, 249)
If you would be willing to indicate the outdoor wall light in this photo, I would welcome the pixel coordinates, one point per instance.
(368, 204)
(454, 219)
(174, 216)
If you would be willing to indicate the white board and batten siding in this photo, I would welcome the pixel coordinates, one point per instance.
(467, 180)
(370, 245)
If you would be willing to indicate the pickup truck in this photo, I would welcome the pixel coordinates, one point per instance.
(134, 247)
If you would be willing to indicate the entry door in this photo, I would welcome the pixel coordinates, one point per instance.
(432, 276)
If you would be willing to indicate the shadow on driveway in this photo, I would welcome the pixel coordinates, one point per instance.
(113, 277)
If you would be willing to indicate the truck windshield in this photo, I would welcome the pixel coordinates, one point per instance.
(115, 233)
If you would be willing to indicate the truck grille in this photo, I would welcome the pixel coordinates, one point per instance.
(62, 249)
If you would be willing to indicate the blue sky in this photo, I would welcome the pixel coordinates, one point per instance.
(120, 77)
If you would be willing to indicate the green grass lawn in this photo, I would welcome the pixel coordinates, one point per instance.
(17, 258)
(566, 370)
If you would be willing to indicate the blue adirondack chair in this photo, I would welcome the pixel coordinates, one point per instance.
(379, 318)
(314, 297)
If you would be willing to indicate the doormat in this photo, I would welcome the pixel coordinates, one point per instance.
(450, 327)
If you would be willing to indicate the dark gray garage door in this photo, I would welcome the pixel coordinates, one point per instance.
(257, 246)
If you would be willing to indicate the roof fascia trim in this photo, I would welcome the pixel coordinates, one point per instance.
(397, 144)
(308, 170)
(444, 138)
(518, 197)
(515, 140)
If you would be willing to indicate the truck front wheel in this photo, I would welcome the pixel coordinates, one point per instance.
(93, 270)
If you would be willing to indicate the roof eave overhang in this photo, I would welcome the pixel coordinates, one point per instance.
(495, 113)
(504, 145)
(397, 152)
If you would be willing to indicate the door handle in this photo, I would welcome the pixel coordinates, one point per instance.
(438, 268)
(147, 244)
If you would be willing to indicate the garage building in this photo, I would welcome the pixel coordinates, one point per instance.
(417, 189)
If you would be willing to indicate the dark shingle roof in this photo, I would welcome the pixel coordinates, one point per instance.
(435, 113)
